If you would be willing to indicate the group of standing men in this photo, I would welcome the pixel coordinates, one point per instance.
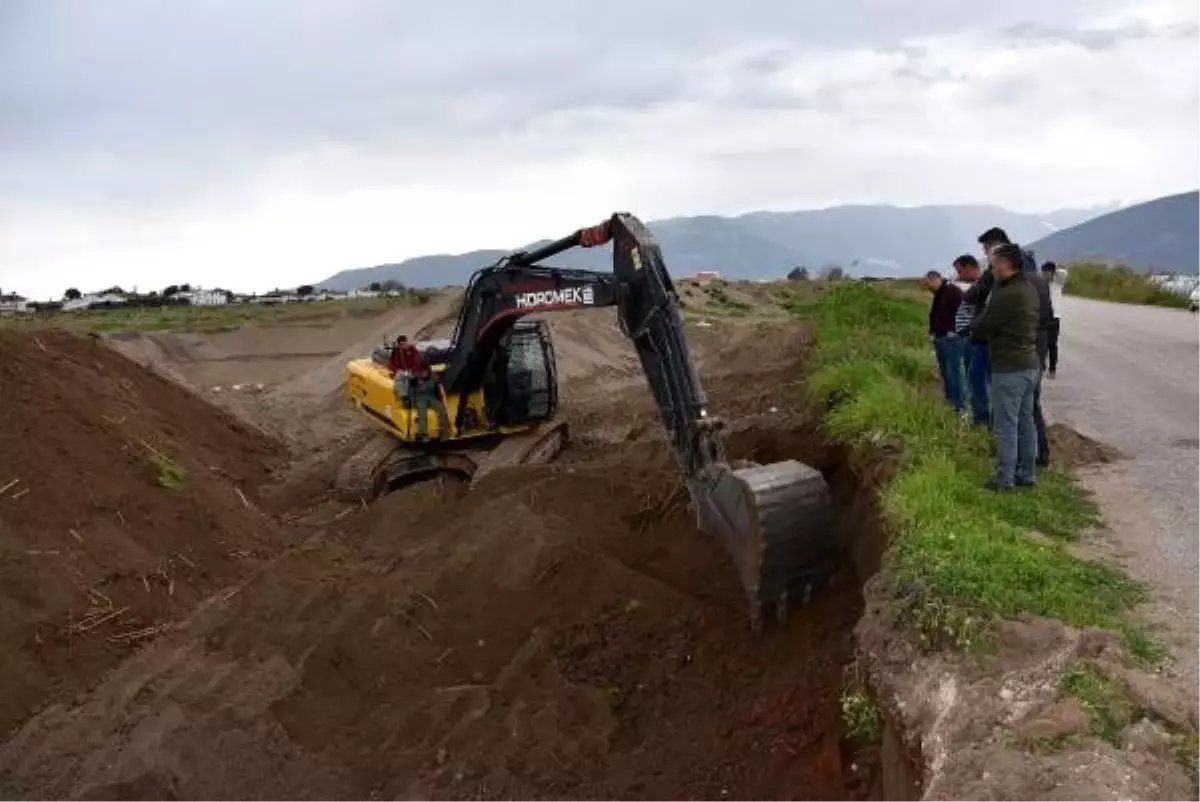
(995, 334)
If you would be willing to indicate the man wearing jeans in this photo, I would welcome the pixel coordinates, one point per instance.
(1009, 324)
(995, 238)
(975, 354)
(947, 345)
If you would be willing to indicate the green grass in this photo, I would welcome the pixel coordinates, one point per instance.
(208, 318)
(1118, 283)
(1187, 752)
(170, 473)
(860, 715)
(1103, 699)
(962, 556)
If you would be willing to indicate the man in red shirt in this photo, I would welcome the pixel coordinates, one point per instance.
(417, 386)
(404, 364)
(405, 357)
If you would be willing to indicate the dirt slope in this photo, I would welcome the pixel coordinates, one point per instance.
(561, 631)
(87, 528)
(260, 354)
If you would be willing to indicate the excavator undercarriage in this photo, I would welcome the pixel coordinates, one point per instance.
(497, 380)
(384, 464)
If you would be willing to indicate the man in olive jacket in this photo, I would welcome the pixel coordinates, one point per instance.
(1009, 325)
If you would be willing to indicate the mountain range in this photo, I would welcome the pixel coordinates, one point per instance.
(874, 240)
(1159, 234)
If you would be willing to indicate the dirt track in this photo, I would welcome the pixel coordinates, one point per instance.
(563, 631)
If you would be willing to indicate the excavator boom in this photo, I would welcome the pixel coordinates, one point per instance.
(775, 521)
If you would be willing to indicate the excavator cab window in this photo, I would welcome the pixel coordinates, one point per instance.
(528, 375)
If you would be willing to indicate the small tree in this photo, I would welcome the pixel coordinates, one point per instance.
(375, 286)
(798, 274)
(392, 285)
(833, 273)
(185, 287)
(304, 289)
(72, 294)
(170, 290)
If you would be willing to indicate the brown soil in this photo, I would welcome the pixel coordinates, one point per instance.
(1070, 449)
(560, 631)
(88, 530)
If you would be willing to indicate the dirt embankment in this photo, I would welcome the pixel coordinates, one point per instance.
(122, 507)
(562, 631)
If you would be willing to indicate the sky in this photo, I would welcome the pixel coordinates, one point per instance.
(253, 145)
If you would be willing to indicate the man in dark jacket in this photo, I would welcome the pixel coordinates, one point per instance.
(1045, 324)
(995, 238)
(1009, 324)
(947, 345)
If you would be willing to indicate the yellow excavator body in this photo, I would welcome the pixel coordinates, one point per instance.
(372, 389)
(497, 424)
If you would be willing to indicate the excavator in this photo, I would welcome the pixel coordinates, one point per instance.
(498, 382)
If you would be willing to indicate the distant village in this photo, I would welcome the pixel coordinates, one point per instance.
(187, 295)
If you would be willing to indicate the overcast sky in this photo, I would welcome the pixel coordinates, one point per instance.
(259, 143)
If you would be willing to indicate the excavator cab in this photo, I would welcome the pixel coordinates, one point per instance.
(521, 387)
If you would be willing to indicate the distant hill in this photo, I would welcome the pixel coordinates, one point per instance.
(872, 240)
(1162, 234)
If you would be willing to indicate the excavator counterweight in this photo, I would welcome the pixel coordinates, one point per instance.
(775, 521)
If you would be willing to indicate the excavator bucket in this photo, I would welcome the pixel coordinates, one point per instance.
(777, 524)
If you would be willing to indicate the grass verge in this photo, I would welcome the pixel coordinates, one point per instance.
(1119, 283)
(962, 556)
(1103, 699)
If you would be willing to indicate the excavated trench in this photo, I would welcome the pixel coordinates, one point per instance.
(886, 765)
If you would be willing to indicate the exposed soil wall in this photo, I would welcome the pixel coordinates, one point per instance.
(94, 549)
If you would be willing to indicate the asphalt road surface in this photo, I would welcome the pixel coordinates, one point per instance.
(1129, 376)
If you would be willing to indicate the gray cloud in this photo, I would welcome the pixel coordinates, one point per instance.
(1094, 39)
(140, 101)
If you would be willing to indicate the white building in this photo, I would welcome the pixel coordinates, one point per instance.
(92, 299)
(12, 303)
(205, 297)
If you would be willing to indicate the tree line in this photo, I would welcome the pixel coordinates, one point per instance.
(828, 273)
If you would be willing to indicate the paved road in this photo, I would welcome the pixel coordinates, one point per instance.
(1129, 376)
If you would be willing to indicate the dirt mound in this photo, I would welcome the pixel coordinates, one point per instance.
(1070, 449)
(120, 510)
(562, 631)
(440, 649)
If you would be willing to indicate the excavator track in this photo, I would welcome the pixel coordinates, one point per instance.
(383, 463)
(777, 524)
(356, 478)
(534, 447)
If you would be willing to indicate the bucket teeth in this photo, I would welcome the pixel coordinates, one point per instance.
(777, 524)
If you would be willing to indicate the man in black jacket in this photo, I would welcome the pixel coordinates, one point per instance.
(947, 345)
(1045, 324)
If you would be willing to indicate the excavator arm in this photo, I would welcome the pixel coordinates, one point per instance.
(775, 521)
